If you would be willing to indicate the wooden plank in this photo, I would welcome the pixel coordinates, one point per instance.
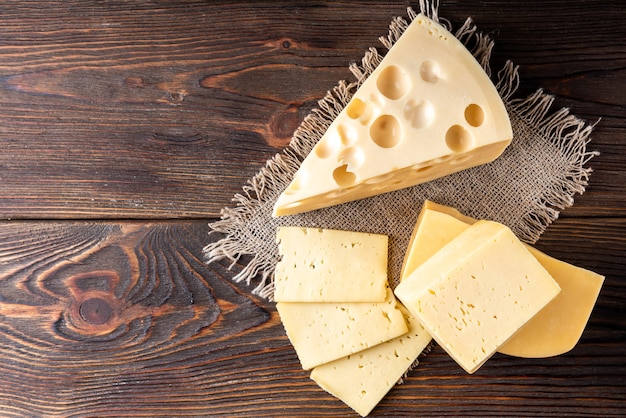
(144, 110)
(125, 319)
(160, 110)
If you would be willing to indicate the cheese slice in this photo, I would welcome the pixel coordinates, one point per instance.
(436, 226)
(325, 265)
(557, 328)
(426, 111)
(477, 291)
(323, 332)
(362, 379)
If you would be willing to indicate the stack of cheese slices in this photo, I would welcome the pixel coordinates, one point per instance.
(471, 285)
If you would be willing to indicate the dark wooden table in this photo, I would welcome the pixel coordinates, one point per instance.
(125, 126)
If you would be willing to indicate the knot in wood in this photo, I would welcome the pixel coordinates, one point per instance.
(282, 126)
(96, 311)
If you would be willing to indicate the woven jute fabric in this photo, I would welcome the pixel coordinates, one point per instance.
(525, 188)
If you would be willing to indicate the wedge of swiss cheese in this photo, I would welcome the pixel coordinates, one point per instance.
(427, 110)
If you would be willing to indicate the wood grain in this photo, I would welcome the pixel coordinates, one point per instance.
(99, 312)
(125, 319)
(126, 126)
(193, 97)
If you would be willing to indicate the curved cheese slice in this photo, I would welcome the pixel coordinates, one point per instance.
(556, 328)
(426, 111)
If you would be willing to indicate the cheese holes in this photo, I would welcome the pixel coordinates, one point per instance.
(386, 131)
(351, 156)
(420, 113)
(474, 115)
(430, 72)
(460, 160)
(442, 159)
(459, 139)
(343, 177)
(327, 147)
(295, 185)
(347, 135)
(356, 108)
(419, 168)
(342, 136)
(335, 194)
(379, 179)
(359, 110)
(393, 83)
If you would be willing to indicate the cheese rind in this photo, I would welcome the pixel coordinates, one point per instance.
(325, 265)
(362, 379)
(323, 332)
(557, 328)
(477, 291)
(427, 110)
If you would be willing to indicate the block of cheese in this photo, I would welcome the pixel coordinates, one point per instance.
(321, 332)
(325, 265)
(557, 327)
(362, 379)
(426, 111)
(477, 291)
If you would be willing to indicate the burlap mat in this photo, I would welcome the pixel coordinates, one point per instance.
(525, 189)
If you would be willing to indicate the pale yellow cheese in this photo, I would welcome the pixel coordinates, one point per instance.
(557, 328)
(426, 111)
(434, 229)
(477, 291)
(362, 379)
(322, 332)
(325, 265)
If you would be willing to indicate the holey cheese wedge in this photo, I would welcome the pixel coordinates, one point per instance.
(426, 111)
(477, 291)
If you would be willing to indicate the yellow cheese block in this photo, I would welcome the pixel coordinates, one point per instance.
(361, 380)
(325, 265)
(426, 111)
(557, 328)
(322, 332)
(477, 291)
